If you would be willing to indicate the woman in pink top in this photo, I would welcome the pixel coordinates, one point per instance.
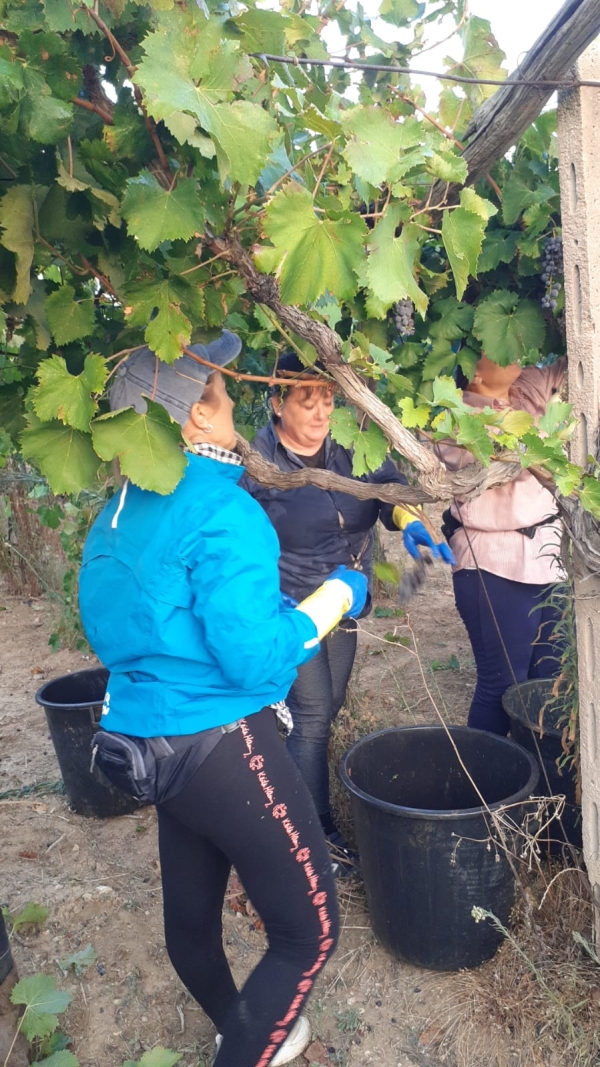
(506, 544)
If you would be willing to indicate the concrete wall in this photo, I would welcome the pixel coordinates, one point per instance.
(579, 154)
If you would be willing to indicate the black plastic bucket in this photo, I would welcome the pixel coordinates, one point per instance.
(73, 706)
(426, 843)
(525, 704)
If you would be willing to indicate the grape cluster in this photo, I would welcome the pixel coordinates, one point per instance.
(552, 265)
(404, 317)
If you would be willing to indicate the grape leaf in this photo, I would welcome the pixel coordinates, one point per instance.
(65, 456)
(400, 12)
(455, 319)
(412, 416)
(65, 396)
(79, 961)
(160, 1057)
(68, 317)
(370, 450)
(31, 913)
(387, 572)
(374, 144)
(555, 417)
(567, 479)
(482, 59)
(500, 246)
(197, 81)
(44, 117)
(448, 166)
(311, 254)
(589, 495)
(539, 450)
(370, 446)
(391, 262)
(147, 446)
(154, 214)
(343, 426)
(62, 1058)
(462, 234)
(42, 1001)
(447, 394)
(473, 434)
(516, 422)
(168, 332)
(17, 218)
(508, 328)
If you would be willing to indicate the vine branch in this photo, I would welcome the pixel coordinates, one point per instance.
(89, 106)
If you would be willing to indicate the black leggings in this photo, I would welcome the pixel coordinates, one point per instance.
(248, 806)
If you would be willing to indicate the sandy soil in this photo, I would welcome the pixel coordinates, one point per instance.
(101, 883)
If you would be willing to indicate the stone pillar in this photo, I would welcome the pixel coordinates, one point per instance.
(579, 155)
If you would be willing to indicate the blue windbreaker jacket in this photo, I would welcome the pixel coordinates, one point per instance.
(320, 530)
(180, 599)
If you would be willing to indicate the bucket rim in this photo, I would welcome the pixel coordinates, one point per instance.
(44, 703)
(517, 715)
(434, 813)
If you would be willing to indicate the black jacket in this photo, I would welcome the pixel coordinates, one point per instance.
(318, 529)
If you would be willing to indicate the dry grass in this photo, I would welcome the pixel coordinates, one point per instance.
(32, 562)
(537, 1003)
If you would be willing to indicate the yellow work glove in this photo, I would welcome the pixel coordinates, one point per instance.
(344, 593)
(402, 518)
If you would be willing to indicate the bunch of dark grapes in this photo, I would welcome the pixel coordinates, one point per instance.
(552, 266)
(404, 317)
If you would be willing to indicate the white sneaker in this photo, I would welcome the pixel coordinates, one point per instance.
(294, 1045)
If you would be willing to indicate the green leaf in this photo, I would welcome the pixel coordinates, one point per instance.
(370, 446)
(456, 319)
(65, 456)
(556, 416)
(65, 396)
(473, 434)
(343, 426)
(539, 450)
(568, 479)
(160, 1057)
(589, 495)
(387, 572)
(147, 446)
(517, 196)
(400, 12)
(482, 59)
(500, 246)
(42, 1001)
(447, 394)
(168, 332)
(158, 307)
(508, 328)
(44, 118)
(154, 214)
(374, 144)
(412, 416)
(462, 233)
(79, 961)
(197, 81)
(391, 264)
(18, 219)
(62, 1058)
(311, 255)
(516, 422)
(69, 318)
(31, 913)
(448, 166)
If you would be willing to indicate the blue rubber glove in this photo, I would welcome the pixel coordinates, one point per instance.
(358, 585)
(415, 534)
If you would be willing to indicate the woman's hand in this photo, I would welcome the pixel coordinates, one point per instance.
(415, 535)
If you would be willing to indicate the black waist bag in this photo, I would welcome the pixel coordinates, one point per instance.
(152, 769)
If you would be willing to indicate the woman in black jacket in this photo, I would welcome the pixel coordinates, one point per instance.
(319, 530)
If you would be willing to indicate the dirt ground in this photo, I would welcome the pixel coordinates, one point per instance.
(101, 883)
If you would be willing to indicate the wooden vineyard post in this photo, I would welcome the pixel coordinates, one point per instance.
(579, 156)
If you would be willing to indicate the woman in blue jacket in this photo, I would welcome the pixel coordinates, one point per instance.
(180, 600)
(319, 530)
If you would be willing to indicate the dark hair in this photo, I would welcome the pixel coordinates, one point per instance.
(289, 363)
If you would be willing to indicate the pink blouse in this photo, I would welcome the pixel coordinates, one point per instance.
(493, 519)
